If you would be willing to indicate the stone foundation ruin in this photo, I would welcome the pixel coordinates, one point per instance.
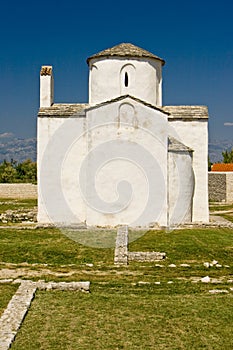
(122, 256)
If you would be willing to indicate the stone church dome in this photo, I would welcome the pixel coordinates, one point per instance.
(125, 69)
(125, 50)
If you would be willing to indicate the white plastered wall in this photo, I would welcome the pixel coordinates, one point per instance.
(180, 187)
(106, 79)
(46, 90)
(229, 185)
(194, 134)
(127, 150)
(61, 148)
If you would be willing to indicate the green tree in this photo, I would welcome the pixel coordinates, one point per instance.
(26, 171)
(228, 156)
(7, 172)
(18, 172)
(209, 164)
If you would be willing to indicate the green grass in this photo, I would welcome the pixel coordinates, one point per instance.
(196, 245)
(47, 246)
(120, 312)
(228, 217)
(223, 207)
(220, 207)
(127, 319)
(14, 204)
(6, 293)
(50, 246)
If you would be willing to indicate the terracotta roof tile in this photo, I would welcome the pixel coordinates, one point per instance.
(222, 167)
(125, 50)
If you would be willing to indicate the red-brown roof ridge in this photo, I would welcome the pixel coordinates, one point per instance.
(222, 167)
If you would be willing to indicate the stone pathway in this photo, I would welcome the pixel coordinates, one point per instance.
(18, 306)
(217, 212)
(215, 221)
(214, 218)
(15, 312)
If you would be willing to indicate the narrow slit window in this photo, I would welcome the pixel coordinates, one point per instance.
(126, 80)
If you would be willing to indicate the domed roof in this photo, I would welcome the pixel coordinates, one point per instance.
(125, 50)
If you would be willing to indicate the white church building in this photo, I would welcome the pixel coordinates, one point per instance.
(123, 157)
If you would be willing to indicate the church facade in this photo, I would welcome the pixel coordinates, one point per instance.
(123, 157)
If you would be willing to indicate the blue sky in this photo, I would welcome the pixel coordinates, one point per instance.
(194, 38)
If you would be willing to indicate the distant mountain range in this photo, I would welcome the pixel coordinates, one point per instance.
(22, 149)
(216, 147)
(17, 149)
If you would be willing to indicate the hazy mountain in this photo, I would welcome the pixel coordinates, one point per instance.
(216, 147)
(16, 148)
(22, 149)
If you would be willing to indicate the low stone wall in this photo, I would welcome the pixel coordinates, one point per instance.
(220, 186)
(121, 249)
(146, 256)
(123, 256)
(217, 186)
(18, 191)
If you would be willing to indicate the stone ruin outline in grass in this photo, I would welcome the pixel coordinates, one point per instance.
(122, 256)
(18, 306)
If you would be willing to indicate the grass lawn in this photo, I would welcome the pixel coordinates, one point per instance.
(127, 319)
(14, 204)
(220, 207)
(229, 216)
(6, 293)
(50, 246)
(121, 312)
(223, 207)
(139, 306)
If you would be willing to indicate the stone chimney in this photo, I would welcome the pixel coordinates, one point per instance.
(46, 86)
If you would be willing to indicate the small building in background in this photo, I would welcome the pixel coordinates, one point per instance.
(221, 183)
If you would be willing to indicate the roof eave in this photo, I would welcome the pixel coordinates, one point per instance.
(124, 56)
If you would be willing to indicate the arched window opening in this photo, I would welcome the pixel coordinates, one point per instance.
(126, 80)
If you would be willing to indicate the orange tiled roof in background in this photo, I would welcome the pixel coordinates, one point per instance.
(222, 167)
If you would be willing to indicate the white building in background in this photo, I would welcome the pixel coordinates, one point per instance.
(123, 157)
